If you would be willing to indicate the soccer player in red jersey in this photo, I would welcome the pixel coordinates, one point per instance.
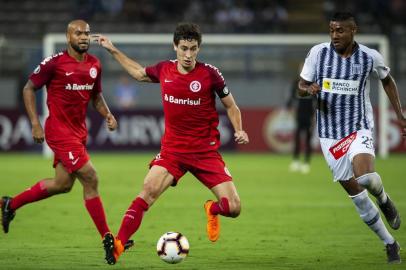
(191, 138)
(72, 79)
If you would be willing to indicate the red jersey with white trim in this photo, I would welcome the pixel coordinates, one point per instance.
(70, 86)
(189, 103)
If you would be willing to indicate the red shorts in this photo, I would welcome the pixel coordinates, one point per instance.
(208, 167)
(72, 154)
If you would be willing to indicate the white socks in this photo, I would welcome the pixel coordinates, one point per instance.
(369, 213)
(373, 183)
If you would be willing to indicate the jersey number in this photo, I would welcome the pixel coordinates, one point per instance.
(369, 143)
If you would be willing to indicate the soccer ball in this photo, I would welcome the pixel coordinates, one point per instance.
(172, 247)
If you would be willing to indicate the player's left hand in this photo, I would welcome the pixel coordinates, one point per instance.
(111, 122)
(402, 122)
(103, 41)
(241, 137)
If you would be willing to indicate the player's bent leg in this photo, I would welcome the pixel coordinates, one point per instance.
(62, 183)
(369, 213)
(373, 182)
(9, 205)
(156, 182)
(228, 205)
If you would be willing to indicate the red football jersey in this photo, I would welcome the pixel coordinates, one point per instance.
(70, 86)
(189, 104)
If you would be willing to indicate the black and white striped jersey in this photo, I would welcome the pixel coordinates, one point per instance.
(343, 105)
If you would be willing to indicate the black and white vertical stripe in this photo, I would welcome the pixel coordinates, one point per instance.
(338, 115)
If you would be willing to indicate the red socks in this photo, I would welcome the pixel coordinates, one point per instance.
(221, 207)
(35, 193)
(95, 208)
(38, 192)
(132, 219)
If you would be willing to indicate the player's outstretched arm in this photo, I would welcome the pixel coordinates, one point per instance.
(234, 114)
(132, 67)
(29, 102)
(101, 106)
(306, 88)
(393, 94)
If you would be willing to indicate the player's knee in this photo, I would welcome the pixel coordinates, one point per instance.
(150, 192)
(235, 207)
(64, 187)
(90, 179)
(370, 181)
(91, 176)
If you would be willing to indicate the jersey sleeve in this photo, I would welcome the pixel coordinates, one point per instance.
(153, 72)
(309, 67)
(98, 83)
(43, 72)
(218, 83)
(379, 65)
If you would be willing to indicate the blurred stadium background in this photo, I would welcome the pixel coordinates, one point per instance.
(289, 220)
(260, 76)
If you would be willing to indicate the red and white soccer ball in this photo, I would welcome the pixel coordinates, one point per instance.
(172, 247)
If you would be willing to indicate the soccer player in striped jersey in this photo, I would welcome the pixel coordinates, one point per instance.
(338, 73)
(191, 139)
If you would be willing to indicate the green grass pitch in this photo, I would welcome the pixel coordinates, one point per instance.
(288, 220)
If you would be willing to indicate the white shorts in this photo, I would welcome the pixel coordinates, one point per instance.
(341, 167)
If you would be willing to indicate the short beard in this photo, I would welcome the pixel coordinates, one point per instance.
(78, 49)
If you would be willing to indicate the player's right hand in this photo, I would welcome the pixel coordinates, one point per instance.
(38, 133)
(313, 89)
(241, 137)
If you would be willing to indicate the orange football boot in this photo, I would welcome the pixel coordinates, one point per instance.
(213, 223)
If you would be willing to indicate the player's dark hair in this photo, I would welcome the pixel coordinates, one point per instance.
(187, 31)
(343, 16)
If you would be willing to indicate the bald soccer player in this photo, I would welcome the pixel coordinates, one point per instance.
(72, 79)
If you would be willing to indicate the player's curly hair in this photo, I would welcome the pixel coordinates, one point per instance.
(187, 31)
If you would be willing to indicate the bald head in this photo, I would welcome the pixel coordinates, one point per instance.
(78, 36)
